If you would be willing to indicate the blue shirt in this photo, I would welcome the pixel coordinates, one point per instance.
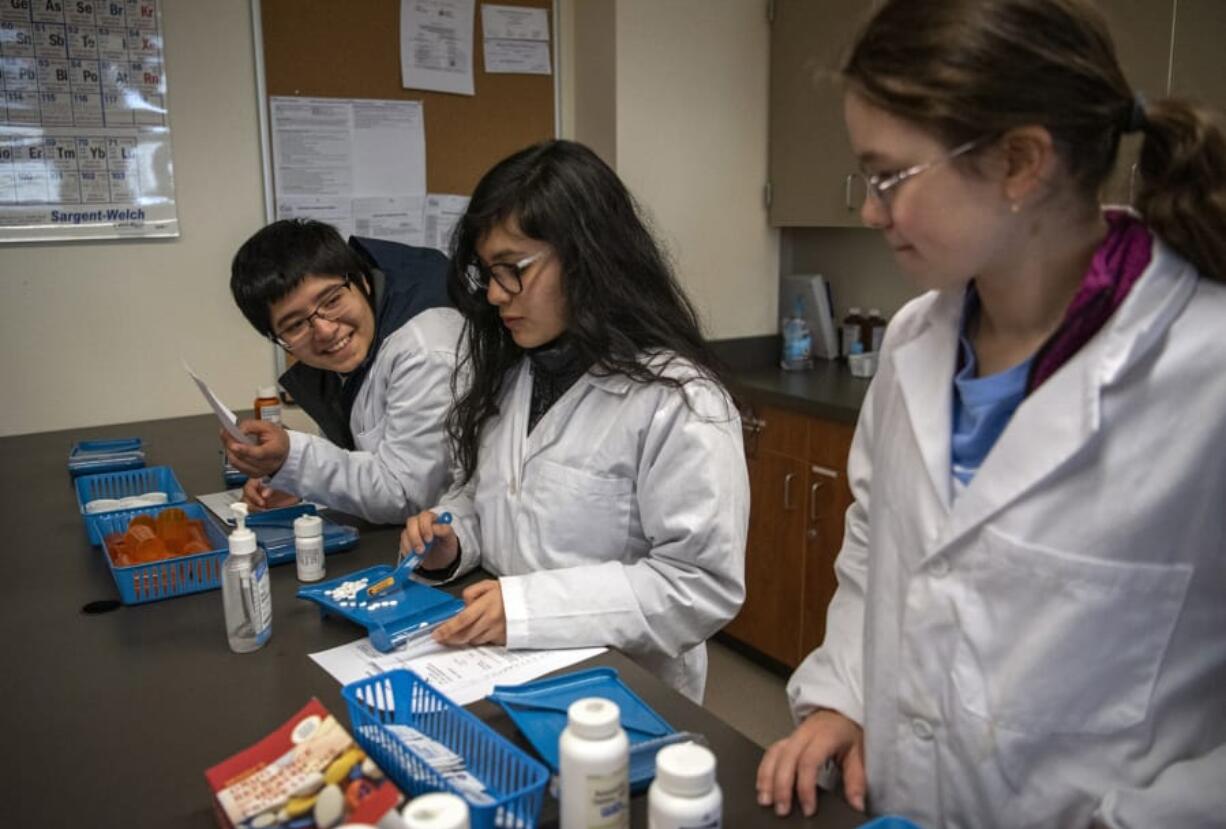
(982, 406)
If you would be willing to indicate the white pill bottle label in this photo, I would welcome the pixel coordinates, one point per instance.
(309, 555)
(608, 800)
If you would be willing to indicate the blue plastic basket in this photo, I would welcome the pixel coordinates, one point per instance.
(122, 485)
(513, 780)
(890, 822)
(178, 576)
(88, 457)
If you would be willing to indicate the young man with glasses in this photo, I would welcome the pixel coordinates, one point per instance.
(374, 341)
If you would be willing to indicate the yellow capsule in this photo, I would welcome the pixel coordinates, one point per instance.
(298, 806)
(339, 769)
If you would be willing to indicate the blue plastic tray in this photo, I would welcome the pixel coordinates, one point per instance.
(274, 531)
(514, 782)
(538, 709)
(178, 576)
(418, 609)
(88, 457)
(123, 485)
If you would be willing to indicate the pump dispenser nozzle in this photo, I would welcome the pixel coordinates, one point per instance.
(242, 540)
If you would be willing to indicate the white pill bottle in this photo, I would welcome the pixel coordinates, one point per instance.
(684, 794)
(309, 547)
(594, 767)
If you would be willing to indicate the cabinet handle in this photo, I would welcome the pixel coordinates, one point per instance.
(752, 424)
(821, 470)
(787, 490)
(847, 192)
(1132, 183)
(813, 500)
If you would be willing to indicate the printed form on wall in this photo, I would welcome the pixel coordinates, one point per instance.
(436, 45)
(357, 164)
(84, 137)
(516, 40)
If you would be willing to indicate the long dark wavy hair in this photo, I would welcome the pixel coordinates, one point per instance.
(622, 296)
(963, 69)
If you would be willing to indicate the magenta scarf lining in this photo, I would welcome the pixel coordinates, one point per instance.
(1117, 265)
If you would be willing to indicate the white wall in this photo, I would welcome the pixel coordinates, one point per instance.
(692, 96)
(92, 332)
(689, 139)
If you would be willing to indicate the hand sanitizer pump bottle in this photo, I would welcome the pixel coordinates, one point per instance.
(245, 592)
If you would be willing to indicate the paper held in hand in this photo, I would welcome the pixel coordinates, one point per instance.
(228, 419)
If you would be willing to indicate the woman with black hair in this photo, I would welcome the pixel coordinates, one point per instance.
(601, 471)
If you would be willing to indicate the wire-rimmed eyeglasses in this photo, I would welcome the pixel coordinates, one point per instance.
(508, 275)
(330, 306)
(884, 185)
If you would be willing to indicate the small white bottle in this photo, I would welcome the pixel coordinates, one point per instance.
(594, 767)
(309, 547)
(439, 810)
(245, 593)
(684, 794)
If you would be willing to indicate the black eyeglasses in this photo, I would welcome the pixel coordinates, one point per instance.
(509, 276)
(331, 305)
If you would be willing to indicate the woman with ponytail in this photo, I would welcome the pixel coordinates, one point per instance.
(1030, 624)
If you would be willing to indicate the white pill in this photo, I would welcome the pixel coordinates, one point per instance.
(330, 807)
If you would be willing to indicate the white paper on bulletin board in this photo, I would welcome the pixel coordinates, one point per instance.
(357, 164)
(84, 137)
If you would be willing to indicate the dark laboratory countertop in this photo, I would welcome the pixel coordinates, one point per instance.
(827, 390)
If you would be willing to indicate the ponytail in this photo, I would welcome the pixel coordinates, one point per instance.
(1182, 182)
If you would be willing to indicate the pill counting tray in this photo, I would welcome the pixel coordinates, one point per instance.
(394, 617)
(274, 531)
(538, 710)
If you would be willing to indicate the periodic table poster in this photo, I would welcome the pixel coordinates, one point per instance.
(84, 137)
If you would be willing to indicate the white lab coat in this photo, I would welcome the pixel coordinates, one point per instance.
(401, 461)
(1050, 648)
(619, 521)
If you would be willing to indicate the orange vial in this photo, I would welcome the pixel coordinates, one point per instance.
(268, 405)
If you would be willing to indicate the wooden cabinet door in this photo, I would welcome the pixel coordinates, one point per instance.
(827, 500)
(1141, 30)
(810, 159)
(1198, 64)
(774, 558)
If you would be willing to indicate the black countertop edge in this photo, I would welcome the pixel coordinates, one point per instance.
(828, 390)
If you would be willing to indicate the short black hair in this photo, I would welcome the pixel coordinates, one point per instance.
(274, 261)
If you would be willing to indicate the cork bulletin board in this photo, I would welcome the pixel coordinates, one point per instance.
(326, 49)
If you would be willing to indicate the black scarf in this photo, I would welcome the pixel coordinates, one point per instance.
(556, 367)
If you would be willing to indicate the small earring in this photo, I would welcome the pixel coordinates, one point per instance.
(1015, 207)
